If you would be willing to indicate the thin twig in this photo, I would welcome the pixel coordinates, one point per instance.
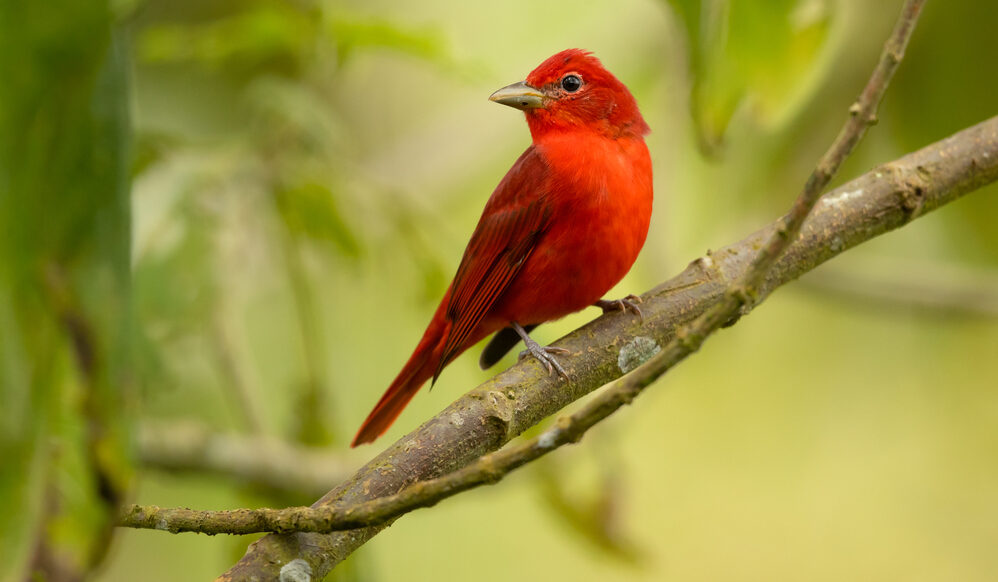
(187, 447)
(925, 288)
(233, 379)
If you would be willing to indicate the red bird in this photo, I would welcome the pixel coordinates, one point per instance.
(562, 228)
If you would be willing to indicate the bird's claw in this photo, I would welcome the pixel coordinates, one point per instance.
(629, 303)
(545, 355)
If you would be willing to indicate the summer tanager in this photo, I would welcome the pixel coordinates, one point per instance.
(562, 228)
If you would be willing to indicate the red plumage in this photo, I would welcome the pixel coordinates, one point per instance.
(562, 227)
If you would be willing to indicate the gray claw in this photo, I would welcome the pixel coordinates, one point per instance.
(543, 354)
(629, 303)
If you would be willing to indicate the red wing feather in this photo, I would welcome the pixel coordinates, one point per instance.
(514, 219)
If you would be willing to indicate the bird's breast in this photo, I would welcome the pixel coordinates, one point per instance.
(600, 195)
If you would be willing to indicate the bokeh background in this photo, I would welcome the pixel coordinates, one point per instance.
(302, 177)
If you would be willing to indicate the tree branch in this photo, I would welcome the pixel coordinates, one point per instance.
(262, 461)
(924, 287)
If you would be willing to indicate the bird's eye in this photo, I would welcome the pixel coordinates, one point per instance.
(571, 83)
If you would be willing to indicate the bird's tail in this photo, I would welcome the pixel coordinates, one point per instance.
(421, 366)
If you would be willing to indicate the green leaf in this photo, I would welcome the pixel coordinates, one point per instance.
(274, 36)
(310, 210)
(64, 281)
(352, 33)
(763, 55)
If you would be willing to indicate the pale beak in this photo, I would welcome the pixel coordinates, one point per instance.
(519, 95)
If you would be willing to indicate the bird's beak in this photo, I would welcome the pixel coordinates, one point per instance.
(519, 95)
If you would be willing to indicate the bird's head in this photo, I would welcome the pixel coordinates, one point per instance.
(572, 90)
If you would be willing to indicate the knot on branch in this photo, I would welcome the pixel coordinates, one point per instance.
(744, 295)
(911, 187)
(688, 339)
(490, 473)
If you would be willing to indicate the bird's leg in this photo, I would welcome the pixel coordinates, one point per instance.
(545, 354)
(629, 303)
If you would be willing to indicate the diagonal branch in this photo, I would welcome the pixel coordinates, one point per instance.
(268, 463)
(927, 287)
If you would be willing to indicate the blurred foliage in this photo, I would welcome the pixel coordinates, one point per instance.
(283, 168)
(281, 37)
(305, 176)
(766, 56)
(64, 287)
(595, 518)
(310, 209)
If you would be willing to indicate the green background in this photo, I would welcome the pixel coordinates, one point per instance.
(303, 178)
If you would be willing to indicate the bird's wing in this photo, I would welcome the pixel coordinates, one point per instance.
(515, 217)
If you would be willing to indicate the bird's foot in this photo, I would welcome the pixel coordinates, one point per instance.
(629, 303)
(544, 354)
